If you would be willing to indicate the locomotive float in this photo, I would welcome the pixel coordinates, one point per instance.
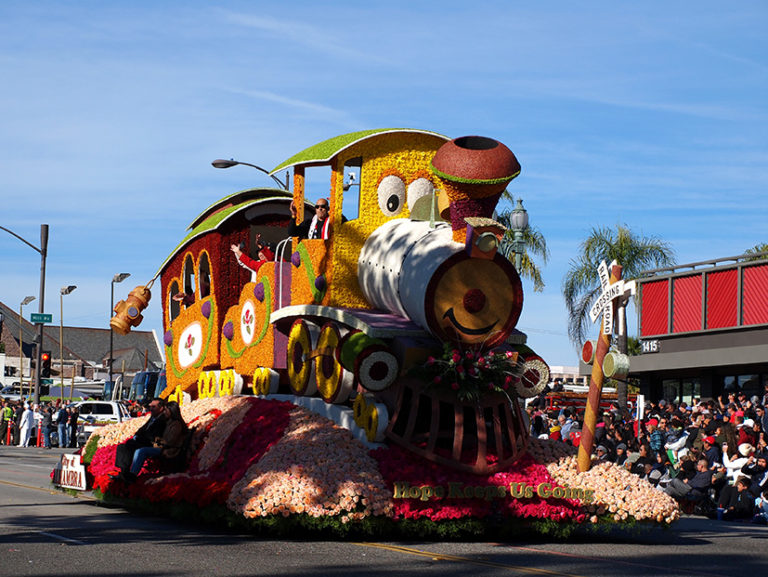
(375, 325)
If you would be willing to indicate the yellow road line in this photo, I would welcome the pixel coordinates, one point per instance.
(454, 558)
(80, 495)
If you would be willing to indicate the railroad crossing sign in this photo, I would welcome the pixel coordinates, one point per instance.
(41, 318)
(610, 293)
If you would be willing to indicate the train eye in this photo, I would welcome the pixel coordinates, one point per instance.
(391, 195)
(418, 188)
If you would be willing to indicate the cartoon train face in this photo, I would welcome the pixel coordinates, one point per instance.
(417, 271)
(345, 320)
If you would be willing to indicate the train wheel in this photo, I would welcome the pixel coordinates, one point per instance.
(374, 365)
(334, 382)
(265, 381)
(301, 369)
(377, 368)
(535, 377)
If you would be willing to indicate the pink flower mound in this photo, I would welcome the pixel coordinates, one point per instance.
(399, 466)
(229, 442)
(317, 468)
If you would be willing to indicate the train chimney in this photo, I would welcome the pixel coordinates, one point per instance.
(474, 171)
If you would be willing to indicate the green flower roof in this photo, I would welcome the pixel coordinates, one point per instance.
(326, 150)
(200, 227)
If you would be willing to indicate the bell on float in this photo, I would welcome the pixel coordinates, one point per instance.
(616, 365)
(128, 312)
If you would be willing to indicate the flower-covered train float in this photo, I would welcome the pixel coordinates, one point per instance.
(372, 379)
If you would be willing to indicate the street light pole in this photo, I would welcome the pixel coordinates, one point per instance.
(120, 277)
(43, 250)
(26, 301)
(519, 224)
(222, 163)
(65, 290)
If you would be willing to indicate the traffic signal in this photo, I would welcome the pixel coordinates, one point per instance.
(46, 365)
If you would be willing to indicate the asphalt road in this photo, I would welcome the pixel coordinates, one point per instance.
(44, 532)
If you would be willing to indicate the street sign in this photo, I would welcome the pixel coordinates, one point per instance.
(41, 318)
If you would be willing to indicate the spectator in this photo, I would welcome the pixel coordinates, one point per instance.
(26, 422)
(638, 462)
(747, 432)
(712, 452)
(6, 421)
(61, 425)
(656, 435)
(733, 461)
(46, 424)
(74, 414)
(621, 454)
(565, 422)
(757, 469)
(736, 501)
(18, 410)
(761, 418)
(695, 488)
(761, 505)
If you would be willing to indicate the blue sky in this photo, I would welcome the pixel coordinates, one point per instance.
(650, 114)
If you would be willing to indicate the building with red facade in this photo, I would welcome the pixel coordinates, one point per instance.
(704, 329)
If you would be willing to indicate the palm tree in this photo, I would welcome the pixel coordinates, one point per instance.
(758, 249)
(534, 245)
(581, 285)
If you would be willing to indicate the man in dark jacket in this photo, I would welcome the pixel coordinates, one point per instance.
(695, 488)
(757, 469)
(46, 424)
(144, 437)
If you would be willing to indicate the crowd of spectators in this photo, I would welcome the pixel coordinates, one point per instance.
(20, 421)
(712, 456)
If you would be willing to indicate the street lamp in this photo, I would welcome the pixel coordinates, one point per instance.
(222, 163)
(65, 290)
(26, 301)
(43, 250)
(119, 277)
(519, 224)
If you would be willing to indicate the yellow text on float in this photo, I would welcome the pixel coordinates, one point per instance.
(404, 490)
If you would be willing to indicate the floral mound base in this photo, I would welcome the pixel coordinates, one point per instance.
(258, 460)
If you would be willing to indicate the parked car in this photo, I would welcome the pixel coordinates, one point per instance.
(96, 414)
(11, 393)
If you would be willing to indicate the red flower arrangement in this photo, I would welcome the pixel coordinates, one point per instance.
(398, 465)
(265, 458)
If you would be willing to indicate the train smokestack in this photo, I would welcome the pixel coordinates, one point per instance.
(474, 171)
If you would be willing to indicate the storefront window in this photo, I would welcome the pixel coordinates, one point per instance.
(691, 390)
(670, 389)
(750, 384)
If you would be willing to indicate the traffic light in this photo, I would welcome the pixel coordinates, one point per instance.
(46, 365)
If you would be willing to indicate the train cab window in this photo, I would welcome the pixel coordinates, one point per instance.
(174, 306)
(189, 276)
(352, 178)
(205, 276)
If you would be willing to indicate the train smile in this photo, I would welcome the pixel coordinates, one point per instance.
(466, 330)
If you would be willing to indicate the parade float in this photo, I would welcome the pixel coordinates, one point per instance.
(372, 382)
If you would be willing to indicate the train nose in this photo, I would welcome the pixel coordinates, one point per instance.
(474, 301)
